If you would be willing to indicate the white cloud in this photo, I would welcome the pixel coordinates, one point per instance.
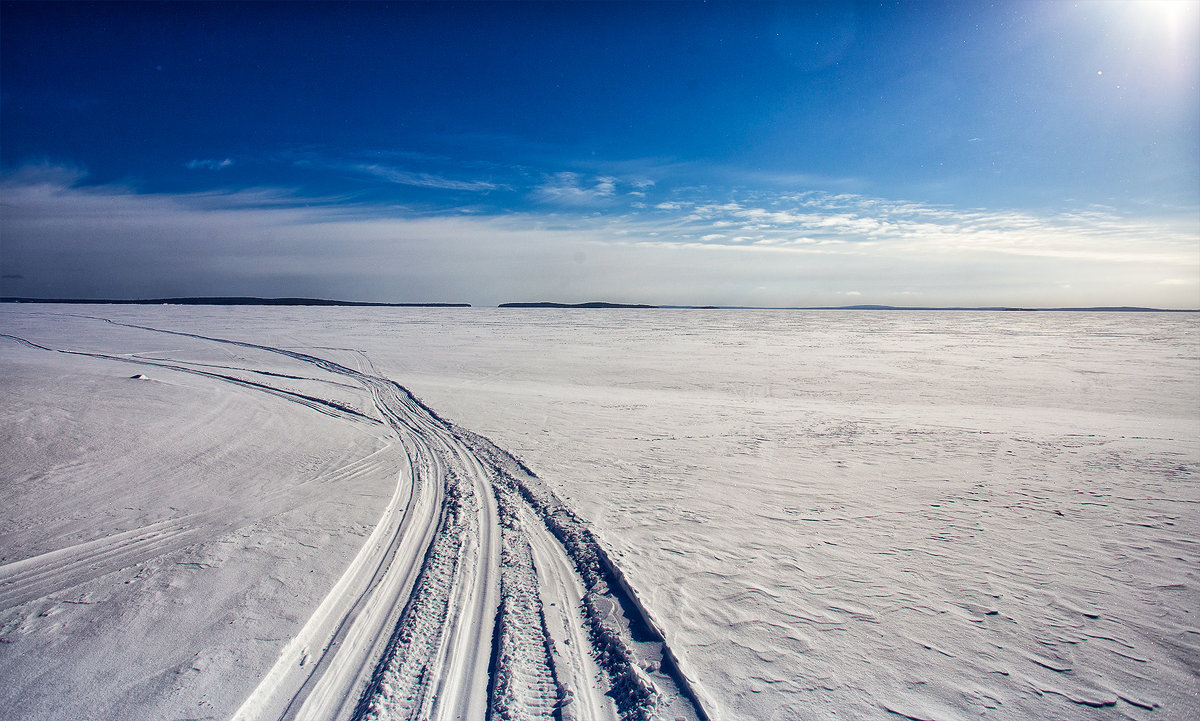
(861, 222)
(569, 189)
(209, 164)
(424, 180)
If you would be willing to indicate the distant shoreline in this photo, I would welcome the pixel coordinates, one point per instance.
(1094, 309)
(236, 300)
(592, 305)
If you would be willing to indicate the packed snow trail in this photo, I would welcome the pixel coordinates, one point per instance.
(478, 595)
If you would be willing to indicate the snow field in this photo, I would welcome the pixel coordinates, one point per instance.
(859, 515)
(162, 537)
(941, 515)
(435, 571)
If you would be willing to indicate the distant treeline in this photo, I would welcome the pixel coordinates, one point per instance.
(231, 301)
(593, 304)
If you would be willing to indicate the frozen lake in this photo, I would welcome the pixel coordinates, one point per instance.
(939, 515)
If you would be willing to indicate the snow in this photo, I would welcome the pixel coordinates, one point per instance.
(824, 514)
(159, 538)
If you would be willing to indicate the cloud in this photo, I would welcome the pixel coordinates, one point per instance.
(367, 164)
(424, 180)
(882, 227)
(567, 189)
(71, 239)
(37, 174)
(208, 164)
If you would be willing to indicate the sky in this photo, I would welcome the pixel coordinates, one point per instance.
(1038, 154)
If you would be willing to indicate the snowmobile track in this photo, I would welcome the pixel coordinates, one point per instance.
(478, 595)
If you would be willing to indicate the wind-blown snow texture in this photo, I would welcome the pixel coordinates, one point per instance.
(438, 616)
(826, 514)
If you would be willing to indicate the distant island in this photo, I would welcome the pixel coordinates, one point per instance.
(593, 304)
(236, 300)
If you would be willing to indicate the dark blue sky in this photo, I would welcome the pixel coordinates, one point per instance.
(914, 143)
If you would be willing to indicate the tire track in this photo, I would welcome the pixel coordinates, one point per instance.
(478, 595)
(583, 684)
(524, 682)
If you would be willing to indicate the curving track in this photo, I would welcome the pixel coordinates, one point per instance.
(478, 595)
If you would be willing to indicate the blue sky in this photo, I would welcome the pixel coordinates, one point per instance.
(1037, 153)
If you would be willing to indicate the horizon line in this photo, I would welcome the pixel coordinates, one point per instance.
(590, 305)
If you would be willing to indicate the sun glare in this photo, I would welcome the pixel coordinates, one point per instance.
(1179, 19)
(1152, 43)
(1171, 11)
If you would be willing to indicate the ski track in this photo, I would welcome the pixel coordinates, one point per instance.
(478, 595)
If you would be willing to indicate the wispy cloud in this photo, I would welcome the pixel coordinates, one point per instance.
(424, 180)
(570, 189)
(414, 169)
(208, 164)
(864, 224)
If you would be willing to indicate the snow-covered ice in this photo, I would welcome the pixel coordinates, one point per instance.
(826, 514)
